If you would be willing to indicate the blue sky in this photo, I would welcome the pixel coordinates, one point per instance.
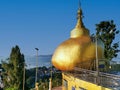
(46, 23)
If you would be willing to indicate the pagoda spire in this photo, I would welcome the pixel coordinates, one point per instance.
(79, 4)
(79, 16)
(79, 29)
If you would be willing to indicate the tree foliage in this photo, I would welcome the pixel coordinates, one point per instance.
(106, 31)
(13, 75)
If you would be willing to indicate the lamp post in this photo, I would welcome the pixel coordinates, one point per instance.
(24, 77)
(97, 62)
(50, 80)
(36, 66)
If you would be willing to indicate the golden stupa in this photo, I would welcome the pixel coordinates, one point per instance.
(78, 50)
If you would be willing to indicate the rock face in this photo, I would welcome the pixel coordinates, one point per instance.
(78, 50)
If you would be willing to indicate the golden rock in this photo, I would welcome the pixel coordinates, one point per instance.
(77, 49)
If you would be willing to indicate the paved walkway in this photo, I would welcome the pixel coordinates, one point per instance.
(57, 88)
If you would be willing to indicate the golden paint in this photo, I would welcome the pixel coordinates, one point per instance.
(77, 49)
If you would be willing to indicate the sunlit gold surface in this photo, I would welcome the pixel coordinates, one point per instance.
(79, 30)
(78, 48)
(68, 54)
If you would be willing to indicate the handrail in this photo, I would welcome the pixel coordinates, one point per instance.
(105, 79)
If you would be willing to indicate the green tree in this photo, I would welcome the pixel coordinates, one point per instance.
(106, 31)
(13, 75)
(57, 79)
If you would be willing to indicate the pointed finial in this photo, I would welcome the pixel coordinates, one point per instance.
(79, 4)
(80, 14)
(79, 29)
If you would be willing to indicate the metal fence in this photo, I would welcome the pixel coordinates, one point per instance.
(103, 79)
